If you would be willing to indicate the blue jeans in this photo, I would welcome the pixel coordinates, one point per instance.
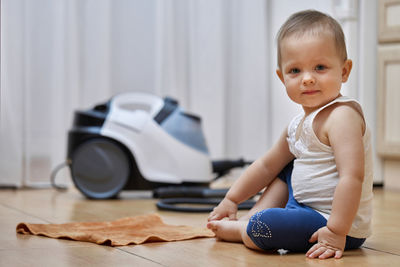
(289, 228)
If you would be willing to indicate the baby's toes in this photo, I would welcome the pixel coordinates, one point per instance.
(213, 225)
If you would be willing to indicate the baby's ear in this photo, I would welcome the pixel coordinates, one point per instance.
(348, 64)
(280, 75)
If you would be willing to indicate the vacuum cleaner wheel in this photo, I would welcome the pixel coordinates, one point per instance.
(100, 168)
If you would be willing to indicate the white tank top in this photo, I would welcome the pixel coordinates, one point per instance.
(315, 176)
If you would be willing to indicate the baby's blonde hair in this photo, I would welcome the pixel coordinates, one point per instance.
(312, 22)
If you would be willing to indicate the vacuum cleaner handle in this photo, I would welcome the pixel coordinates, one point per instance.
(137, 101)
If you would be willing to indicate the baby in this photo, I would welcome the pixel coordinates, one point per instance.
(318, 175)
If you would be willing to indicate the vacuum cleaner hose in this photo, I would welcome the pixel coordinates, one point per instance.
(175, 204)
(188, 192)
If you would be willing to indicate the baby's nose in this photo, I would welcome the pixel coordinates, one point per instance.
(308, 79)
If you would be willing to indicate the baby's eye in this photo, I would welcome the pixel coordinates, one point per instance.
(320, 67)
(294, 71)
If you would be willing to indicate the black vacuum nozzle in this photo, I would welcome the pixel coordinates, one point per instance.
(221, 167)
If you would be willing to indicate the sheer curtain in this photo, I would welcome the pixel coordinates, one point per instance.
(59, 56)
(216, 57)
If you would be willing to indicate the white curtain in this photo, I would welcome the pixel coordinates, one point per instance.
(217, 57)
(59, 56)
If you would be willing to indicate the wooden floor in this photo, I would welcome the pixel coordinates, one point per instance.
(50, 206)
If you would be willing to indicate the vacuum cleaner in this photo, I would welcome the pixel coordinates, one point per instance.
(139, 141)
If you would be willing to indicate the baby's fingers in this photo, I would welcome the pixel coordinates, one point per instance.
(327, 254)
(318, 252)
(215, 215)
(312, 249)
(338, 254)
(314, 237)
(211, 216)
(323, 252)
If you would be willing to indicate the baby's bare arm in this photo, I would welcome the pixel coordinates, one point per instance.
(346, 138)
(345, 128)
(257, 176)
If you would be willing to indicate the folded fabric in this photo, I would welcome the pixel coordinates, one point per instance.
(125, 231)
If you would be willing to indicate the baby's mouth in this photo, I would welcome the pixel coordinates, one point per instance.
(310, 92)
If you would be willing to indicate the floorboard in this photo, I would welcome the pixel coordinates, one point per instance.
(50, 206)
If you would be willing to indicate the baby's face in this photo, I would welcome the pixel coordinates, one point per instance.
(312, 70)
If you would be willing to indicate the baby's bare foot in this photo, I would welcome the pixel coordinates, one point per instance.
(230, 231)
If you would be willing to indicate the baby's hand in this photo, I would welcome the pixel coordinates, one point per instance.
(226, 208)
(329, 244)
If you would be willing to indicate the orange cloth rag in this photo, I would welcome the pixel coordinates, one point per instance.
(125, 231)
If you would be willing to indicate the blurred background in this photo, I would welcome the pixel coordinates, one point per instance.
(216, 57)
